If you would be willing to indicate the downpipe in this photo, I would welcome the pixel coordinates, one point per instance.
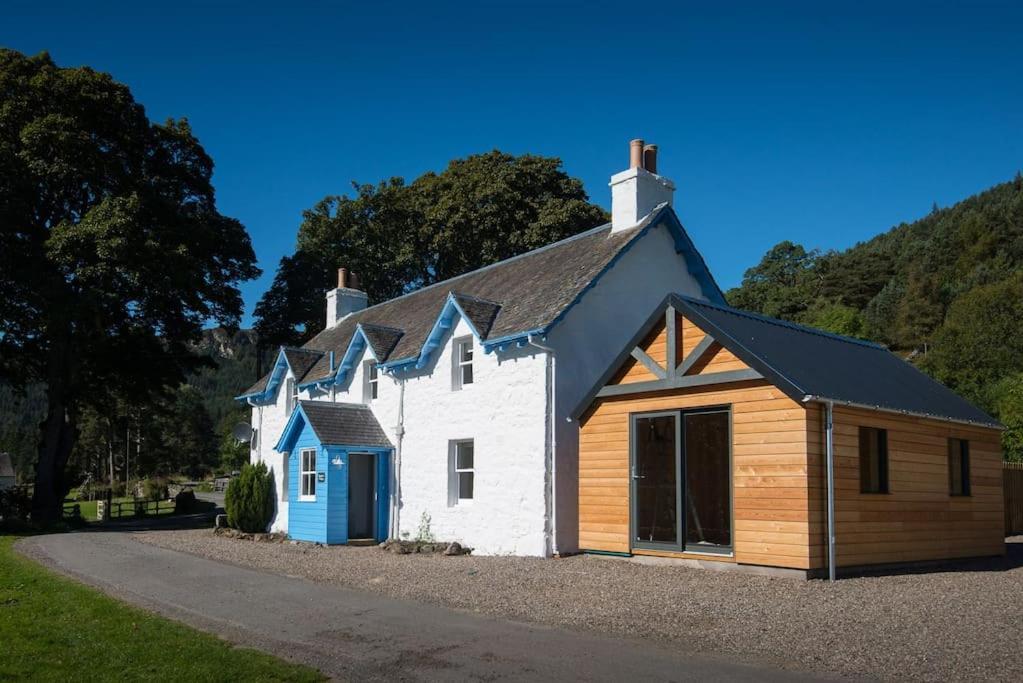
(399, 432)
(829, 432)
(552, 437)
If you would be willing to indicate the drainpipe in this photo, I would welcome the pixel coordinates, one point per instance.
(399, 434)
(553, 437)
(829, 432)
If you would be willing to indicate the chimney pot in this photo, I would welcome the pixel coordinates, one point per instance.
(342, 277)
(353, 281)
(638, 190)
(636, 153)
(650, 158)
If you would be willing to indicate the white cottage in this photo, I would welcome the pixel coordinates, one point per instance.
(447, 410)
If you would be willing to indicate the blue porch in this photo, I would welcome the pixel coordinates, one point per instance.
(338, 474)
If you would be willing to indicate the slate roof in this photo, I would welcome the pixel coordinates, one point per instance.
(6, 465)
(344, 424)
(521, 294)
(300, 361)
(807, 363)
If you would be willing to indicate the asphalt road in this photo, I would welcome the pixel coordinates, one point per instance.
(353, 635)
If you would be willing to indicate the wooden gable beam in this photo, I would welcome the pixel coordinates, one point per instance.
(680, 382)
(669, 324)
(650, 364)
(696, 355)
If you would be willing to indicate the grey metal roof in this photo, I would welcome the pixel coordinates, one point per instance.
(810, 364)
(344, 424)
(6, 465)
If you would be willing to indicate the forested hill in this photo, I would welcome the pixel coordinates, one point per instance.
(945, 291)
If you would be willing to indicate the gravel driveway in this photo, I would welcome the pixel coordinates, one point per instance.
(965, 624)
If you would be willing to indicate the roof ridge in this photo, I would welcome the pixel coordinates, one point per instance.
(580, 235)
(784, 323)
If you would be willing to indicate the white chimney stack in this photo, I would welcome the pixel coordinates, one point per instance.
(346, 299)
(639, 190)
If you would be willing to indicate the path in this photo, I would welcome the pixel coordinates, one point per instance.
(349, 634)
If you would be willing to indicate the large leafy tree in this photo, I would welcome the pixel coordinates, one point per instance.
(112, 251)
(399, 236)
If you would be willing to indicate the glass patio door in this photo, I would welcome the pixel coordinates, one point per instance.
(681, 481)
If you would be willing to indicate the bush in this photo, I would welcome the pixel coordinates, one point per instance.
(155, 489)
(184, 502)
(15, 504)
(248, 501)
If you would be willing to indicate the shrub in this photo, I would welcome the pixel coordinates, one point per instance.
(248, 500)
(184, 501)
(155, 489)
(15, 504)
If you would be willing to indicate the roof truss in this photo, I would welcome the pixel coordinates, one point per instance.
(671, 375)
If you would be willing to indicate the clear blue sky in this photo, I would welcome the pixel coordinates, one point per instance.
(820, 124)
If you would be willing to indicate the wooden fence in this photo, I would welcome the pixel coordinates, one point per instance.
(1012, 480)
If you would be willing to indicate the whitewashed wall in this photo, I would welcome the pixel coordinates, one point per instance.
(270, 419)
(505, 412)
(592, 335)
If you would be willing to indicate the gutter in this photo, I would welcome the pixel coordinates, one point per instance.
(910, 413)
(552, 438)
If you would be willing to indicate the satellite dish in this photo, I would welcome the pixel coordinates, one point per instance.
(242, 432)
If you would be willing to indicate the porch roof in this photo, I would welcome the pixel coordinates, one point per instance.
(336, 424)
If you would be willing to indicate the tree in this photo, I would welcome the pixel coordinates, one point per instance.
(979, 343)
(782, 285)
(112, 252)
(1007, 398)
(399, 237)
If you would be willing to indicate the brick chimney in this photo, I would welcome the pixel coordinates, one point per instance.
(639, 190)
(346, 299)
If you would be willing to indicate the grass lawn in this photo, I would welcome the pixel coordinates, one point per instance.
(54, 629)
(88, 508)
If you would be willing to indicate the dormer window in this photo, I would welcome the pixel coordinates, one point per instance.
(462, 363)
(371, 382)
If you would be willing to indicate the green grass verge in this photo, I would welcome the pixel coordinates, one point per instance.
(54, 629)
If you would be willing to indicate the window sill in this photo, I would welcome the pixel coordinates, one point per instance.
(307, 499)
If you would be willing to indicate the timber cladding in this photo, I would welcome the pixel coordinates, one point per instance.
(778, 477)
(917, 519)
(769, 464)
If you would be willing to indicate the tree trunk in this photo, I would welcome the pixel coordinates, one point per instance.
(59, 432)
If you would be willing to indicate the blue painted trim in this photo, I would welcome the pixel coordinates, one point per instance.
(358, 343)
(276, 374)
(519, 339)
(443, 324)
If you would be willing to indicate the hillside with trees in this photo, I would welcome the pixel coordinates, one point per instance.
(945, 292)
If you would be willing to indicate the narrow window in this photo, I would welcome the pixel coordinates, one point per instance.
(372, 381)
(873, 460)
(308, 473)
(463, 362)
(958, 467)
(463, 472)
(291, 397)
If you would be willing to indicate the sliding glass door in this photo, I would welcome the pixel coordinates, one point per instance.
(681, 481)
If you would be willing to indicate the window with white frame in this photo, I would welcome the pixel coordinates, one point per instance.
(462, 357)
(371, 381)
(308, 482)
(292, 395)
(283, 476)
(462, 472)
